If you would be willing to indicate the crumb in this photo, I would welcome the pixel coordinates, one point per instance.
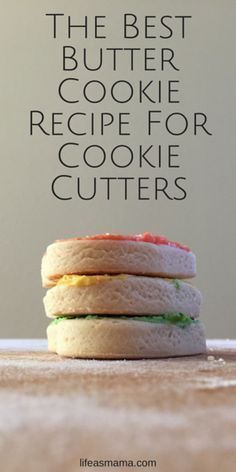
(211, 358)
(221, 360)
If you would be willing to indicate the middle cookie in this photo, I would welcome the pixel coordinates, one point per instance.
(121, 294)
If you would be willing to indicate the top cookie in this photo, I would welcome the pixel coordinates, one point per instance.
(114, 254)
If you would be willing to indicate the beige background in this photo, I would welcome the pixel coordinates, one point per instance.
(31, 217)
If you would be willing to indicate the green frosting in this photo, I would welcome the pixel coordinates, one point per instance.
(176, 283)
(175, 318)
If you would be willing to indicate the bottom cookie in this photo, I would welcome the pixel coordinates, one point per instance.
(122, 338)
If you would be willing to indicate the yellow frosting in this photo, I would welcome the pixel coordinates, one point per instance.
(85, 280)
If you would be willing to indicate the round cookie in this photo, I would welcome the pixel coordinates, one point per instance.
(87, 256)
(124, 339)
(124, 294)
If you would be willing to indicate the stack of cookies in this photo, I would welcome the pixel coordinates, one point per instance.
(121, 297)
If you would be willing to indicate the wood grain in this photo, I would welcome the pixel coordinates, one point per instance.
(180, 412)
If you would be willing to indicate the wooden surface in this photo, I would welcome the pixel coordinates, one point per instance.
(180, 412)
